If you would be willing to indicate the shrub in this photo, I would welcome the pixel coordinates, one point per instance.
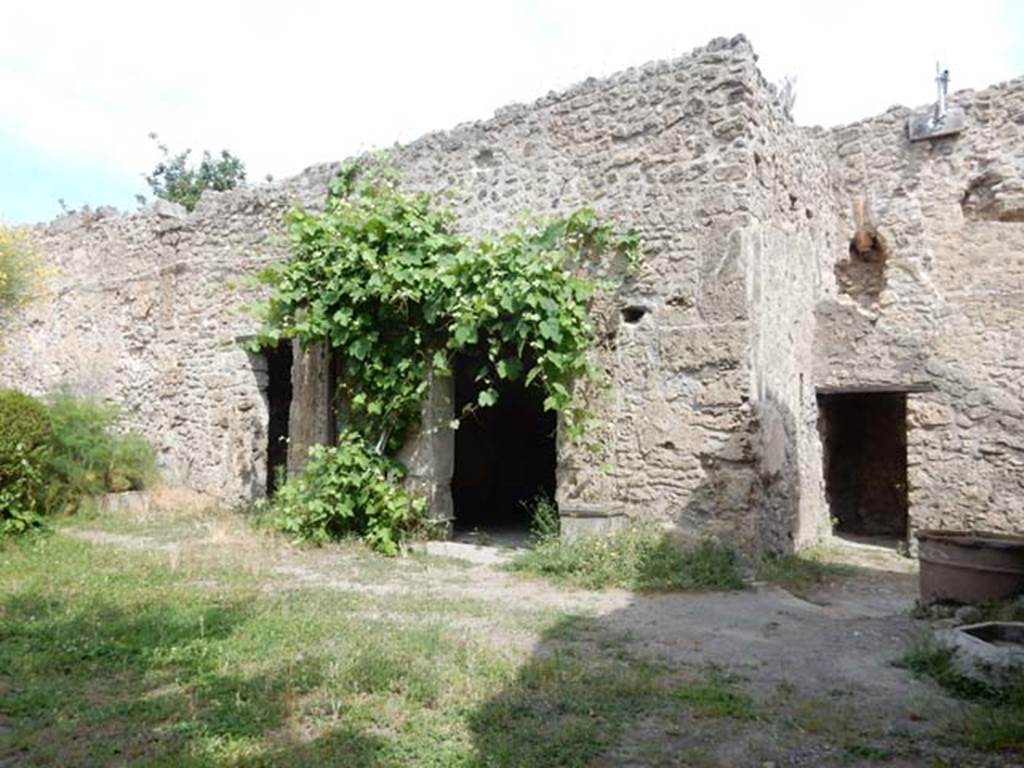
(25, 434)
(89, 457)
(19, 272)
(636, 557)
(545, 523)
(178, 180)
(347, 490)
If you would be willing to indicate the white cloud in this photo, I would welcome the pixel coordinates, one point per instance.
(285, 85)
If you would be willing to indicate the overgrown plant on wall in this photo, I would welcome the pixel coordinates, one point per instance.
(383, 277)
(175, 179)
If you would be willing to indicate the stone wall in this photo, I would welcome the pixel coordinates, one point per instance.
(663, 148)
(748, 305)
(948, 317)
(144, 310)
(790, 231)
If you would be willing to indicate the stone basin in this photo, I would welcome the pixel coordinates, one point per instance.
(991, 653)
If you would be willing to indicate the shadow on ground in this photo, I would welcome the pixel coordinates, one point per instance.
(149, 670)
(748, 678)
(97, 685)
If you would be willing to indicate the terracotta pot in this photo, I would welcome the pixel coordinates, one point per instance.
(970, 566)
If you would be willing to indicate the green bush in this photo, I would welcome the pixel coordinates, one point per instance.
(347, 490)
(25, 434)
(89, 457)
(636, 557)
(20, 272)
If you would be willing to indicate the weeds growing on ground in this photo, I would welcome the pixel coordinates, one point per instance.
(994, 717)
(717, 696)
(635, 557)
(112, 657)
(800, 572)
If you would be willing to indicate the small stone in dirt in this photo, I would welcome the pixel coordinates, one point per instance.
(933, 610)
(968, 614)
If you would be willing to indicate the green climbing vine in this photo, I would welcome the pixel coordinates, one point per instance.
(383, 277)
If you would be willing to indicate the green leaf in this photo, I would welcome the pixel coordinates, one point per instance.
(487, 397)
(466, 334)
(550, 329)
(509, 368)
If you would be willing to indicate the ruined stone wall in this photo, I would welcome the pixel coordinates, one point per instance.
(664, 148)
(943, 312)
(748, 304)
(144, 310)
(786, 242)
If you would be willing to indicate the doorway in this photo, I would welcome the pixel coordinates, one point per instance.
(505, 456)
(865, 459)
(279, 403)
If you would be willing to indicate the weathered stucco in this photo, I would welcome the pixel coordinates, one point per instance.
(714, 354)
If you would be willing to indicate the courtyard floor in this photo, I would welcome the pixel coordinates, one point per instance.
(184, 637)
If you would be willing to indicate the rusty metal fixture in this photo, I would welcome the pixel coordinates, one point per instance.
(969, 566)
(863, 237)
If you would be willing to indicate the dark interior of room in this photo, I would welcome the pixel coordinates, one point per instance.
(504, 454)
(279, 402)
(865, 452)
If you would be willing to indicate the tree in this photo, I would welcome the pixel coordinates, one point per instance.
(176, 180)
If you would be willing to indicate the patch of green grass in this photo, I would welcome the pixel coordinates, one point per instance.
(114, 656)
(862, 751)
(992, 720)
(927, 658)
(635, 557)
(1011, 609)
(717, 696)
(801, 572)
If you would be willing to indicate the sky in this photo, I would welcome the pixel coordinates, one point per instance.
(291, 83)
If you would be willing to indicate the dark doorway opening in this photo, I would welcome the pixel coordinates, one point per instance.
(865, 442)
(505, 456)
(279, 403)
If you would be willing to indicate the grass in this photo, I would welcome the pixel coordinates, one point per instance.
(717, 696)
(1011, 609)
(190, 639)
(800, 573)
(127, 656)
(992, 720)
(636, 558)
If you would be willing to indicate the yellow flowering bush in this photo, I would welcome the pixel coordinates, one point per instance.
(20, 273)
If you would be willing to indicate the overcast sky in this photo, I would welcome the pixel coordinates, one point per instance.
(290, 83)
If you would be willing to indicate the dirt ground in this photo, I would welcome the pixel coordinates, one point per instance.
(822, 662)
